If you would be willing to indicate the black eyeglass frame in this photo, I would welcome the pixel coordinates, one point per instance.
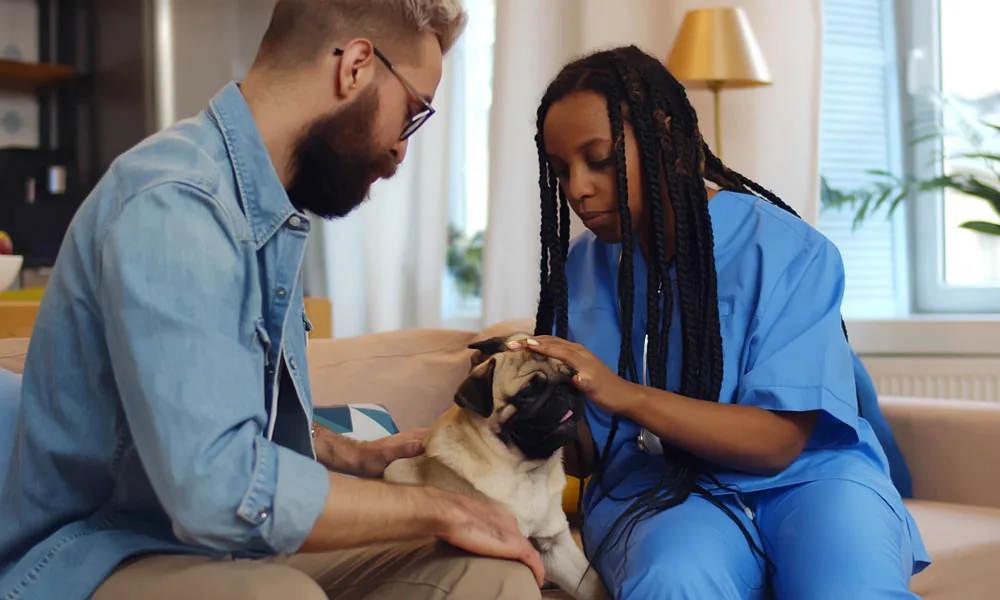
(417, 120)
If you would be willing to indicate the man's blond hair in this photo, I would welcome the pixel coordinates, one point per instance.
(303, 30)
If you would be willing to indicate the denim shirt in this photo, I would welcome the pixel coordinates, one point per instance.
(165, 400)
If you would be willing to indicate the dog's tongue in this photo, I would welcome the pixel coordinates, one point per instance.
(569, 413)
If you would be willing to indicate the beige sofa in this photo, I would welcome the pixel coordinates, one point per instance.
(952, 447)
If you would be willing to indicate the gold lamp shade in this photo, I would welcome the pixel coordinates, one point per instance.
(716, 48)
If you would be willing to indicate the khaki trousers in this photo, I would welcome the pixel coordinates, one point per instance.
(412, 571)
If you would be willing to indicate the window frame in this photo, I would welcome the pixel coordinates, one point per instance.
(919, 32)
(458, 311)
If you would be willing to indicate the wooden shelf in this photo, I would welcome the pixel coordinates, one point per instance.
(25, 76)
(17, 317)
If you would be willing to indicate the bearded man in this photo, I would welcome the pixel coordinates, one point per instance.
(165, 444)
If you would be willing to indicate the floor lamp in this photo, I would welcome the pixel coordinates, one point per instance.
(716, 49)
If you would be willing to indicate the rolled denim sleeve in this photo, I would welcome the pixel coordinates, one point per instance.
(173, 292)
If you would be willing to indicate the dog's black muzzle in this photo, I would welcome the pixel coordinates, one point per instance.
(546, 418)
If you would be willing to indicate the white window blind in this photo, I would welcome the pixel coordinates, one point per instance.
(860, 131)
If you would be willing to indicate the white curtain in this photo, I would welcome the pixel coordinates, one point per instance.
(382, 266)
(771, 134)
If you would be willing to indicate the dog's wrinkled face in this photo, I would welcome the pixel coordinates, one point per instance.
(530, 398)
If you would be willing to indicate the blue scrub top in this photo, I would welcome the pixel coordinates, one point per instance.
(780, 286)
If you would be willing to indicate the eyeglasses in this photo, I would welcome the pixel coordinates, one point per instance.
(417, 120)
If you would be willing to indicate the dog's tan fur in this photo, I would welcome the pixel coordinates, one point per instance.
(464, 455)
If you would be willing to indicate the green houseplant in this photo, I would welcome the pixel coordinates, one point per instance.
(465, 261)
(975, 171)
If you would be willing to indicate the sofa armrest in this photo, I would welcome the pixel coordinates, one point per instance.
(952, 447)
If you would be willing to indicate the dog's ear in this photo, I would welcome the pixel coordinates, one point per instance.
(485, 349)
(489, 347)
(476, 392)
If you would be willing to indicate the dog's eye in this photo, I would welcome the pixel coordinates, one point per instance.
(536, 386)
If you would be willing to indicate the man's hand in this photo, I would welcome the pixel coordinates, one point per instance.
(362, 512)
(376, 455)
(488, 530)
(365, 459)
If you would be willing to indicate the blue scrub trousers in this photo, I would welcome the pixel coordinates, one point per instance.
(829, 539)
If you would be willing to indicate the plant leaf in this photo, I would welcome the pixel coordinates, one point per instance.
(859, 217)
(977, 188)
(886, 190)
(881, 173)
(982, 227)
(979, 155)
(927, 137)
(900, 196)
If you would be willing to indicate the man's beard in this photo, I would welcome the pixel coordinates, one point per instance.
(337, 159)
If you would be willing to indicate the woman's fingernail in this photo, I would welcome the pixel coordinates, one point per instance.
(532, 342)
(514, 346)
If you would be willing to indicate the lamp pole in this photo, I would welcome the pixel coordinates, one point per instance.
(716, 87)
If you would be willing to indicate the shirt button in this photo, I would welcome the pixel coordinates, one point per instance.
(291, 363)
(263, 514)
(295, 221)
(282, 292)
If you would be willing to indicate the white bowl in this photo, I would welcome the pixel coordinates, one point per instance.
(10, 266)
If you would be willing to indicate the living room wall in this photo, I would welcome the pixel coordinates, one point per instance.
(770, 133)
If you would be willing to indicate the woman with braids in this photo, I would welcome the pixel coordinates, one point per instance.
(729, 458)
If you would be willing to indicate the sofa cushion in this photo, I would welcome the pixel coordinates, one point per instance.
(506, 328)
(414, 373)
(964, 544)
(950, 447)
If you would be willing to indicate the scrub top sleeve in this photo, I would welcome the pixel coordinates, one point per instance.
(798, 357)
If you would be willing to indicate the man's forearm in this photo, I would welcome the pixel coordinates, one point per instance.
(360, 512)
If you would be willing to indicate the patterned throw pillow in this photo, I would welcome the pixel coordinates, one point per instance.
(362, 422)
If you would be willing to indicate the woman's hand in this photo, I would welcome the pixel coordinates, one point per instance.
(601, 385)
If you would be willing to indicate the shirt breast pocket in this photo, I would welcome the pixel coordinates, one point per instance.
(726, 304)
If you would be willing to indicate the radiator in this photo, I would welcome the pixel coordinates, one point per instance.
(958, 378)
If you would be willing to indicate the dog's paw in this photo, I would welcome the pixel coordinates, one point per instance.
(592, 588)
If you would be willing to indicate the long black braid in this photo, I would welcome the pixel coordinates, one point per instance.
(638, 87)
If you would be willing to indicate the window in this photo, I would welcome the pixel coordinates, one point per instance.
(469, 173)
(859, 132)
(892, 73)
(949, 78)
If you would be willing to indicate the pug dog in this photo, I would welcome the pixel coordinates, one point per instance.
(502, 442)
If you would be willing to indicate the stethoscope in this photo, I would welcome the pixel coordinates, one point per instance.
(647, 441)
